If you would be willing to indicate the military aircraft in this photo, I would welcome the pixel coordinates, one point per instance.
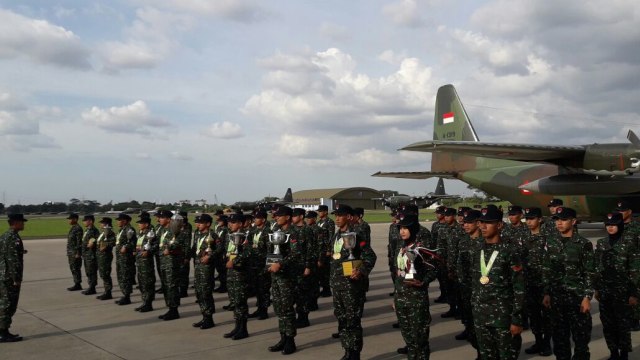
(252, 205)
(422, 202)
(589, 178)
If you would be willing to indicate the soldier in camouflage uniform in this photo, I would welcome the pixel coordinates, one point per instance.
(74, 252)
(205, 242)
(105, 243)
(11, 270)
(219, 261)
(306, 278)
(349, 290)
(567, 273)
(185, 238)
(515, 229)
(317, 243)
(392, 245)
(89, 238)
(615, 257)
(548, 225)
(442, 270)
(328, 226)
(146, 247)
(632, 228)
(259, 237)
(125, 257)
(448, 237)
(534, 244)
(498, 292)
(414, 273)
(158, 230)
(284, 276)
(238, 266)
(170, 259)
(464, 271)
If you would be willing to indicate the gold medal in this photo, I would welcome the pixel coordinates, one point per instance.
(484, 280)
(336, 256)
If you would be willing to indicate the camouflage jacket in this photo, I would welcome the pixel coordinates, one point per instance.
(243, 253)
(105, 242)
(90, 236)
(514, 234)
(260, 243)
(293, 255)
(362, 251)
(309, 242)
(614, 264)
(534, 249)
(394, 244)
(146, 240)
(568, 265)
(204, 243)
(221, 242)
(453, 242)
(168, 241)
(424, 272)
(184, 238)
(548, 226)
(632, 228)
(467, 247)
(74, 240)
(365, 230)
(499, 303)
(319, 241)
(328, 225)
(435, 231)
(11, 257)
(126, 238)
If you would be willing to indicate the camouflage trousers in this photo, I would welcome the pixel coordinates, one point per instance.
(305, 293)
(238, 287)
(283, 292)
(466, 314)
(497, 343)
(262, 286)
(221, 269)
(9, 296)
(91, 268)
(170, 268)
(203, 282)
(183, 282)
(568, 322)
(124, 269)
(324, 274)
(539, 316)
(615, 314)
(443, 280)
(146, 278)
(348, 305)
(412, 309)
(159, 269)
(75, 265)
(104, 269)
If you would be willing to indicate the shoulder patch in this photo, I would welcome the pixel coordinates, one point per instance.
(516, 268)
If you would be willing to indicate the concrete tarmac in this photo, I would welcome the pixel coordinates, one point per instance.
(58, 324)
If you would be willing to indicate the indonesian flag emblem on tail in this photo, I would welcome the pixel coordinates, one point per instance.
(447, 118)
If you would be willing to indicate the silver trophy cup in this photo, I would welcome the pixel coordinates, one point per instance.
(349, 243)
(411, 271)
(276, 239)
(236, 238)
(176, 224)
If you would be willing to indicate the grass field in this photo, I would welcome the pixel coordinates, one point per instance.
(56, 226)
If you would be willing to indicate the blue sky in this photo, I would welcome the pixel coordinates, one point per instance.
(236, 99)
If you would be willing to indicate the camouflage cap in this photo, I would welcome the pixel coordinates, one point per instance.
(410, 209)
(358, 211)
(532, 213)
(144, 219)
(408, 220)
(564, 213)
(236, 218)
(260, 214)
(218, 212)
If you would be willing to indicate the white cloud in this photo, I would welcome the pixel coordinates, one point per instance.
(244, 11)
(225, 130)
(334, 32)
(40, 41)
(404, 13)
(143, 156)
(176, 155)
(133, 118)
(11, 125)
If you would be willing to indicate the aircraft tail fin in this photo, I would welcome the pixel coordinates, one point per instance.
(440, 188)
(288, 197)
(451, 122)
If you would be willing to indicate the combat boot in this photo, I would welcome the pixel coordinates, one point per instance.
(6, 336)
(90, 291)
(105, 296)
(172, 314)
(464, 335)
(233, 332)
(207, 323)
(289, 346)
(183, 293)
(199, 323)
(75, 287)
(449, 314)
(160, 290)
(139, 307)
(545, 347)
(345, 356)
(146, 307)
(354, 355)
(624, 355)
(264, 314)
(441, 300)
(254, 314)
(302, 321)
(313, 306)
(242, 331)
(221, 289)
(228, 307)
(325, 293)
(125, 300)
(279, 345)
(403, 350)
(536, 347)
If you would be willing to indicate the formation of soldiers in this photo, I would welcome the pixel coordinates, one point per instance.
(497, 277)
(501, 277)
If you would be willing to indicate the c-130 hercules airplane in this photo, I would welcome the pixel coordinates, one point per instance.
(589, 178)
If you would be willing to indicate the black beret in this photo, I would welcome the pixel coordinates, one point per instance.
(283, 211)
(16, 217)
(311, 215)
(555, 202)
(472, 216)
(613, 219)
(564, 213)
(343, 210)
(72, 216)
(106, 221)
(322, 208)
(515, 210)
(534, 212)
(88, 217)
(297, 212)
(123, 216)
(491, 214)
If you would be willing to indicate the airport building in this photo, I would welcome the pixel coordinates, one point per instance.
(354, 197)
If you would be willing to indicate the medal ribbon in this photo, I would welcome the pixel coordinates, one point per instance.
(486, 267)
(402, 260)
(337, 246)
(140, 240)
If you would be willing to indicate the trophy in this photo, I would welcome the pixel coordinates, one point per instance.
(102, 240)
(277, 238)
(410, 274)
(349, 243)
(235, 240)
(209, 240)
(150, 235)
(176, 224)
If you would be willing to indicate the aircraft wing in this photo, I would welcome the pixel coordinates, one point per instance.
(416, 175)
(518, 152)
